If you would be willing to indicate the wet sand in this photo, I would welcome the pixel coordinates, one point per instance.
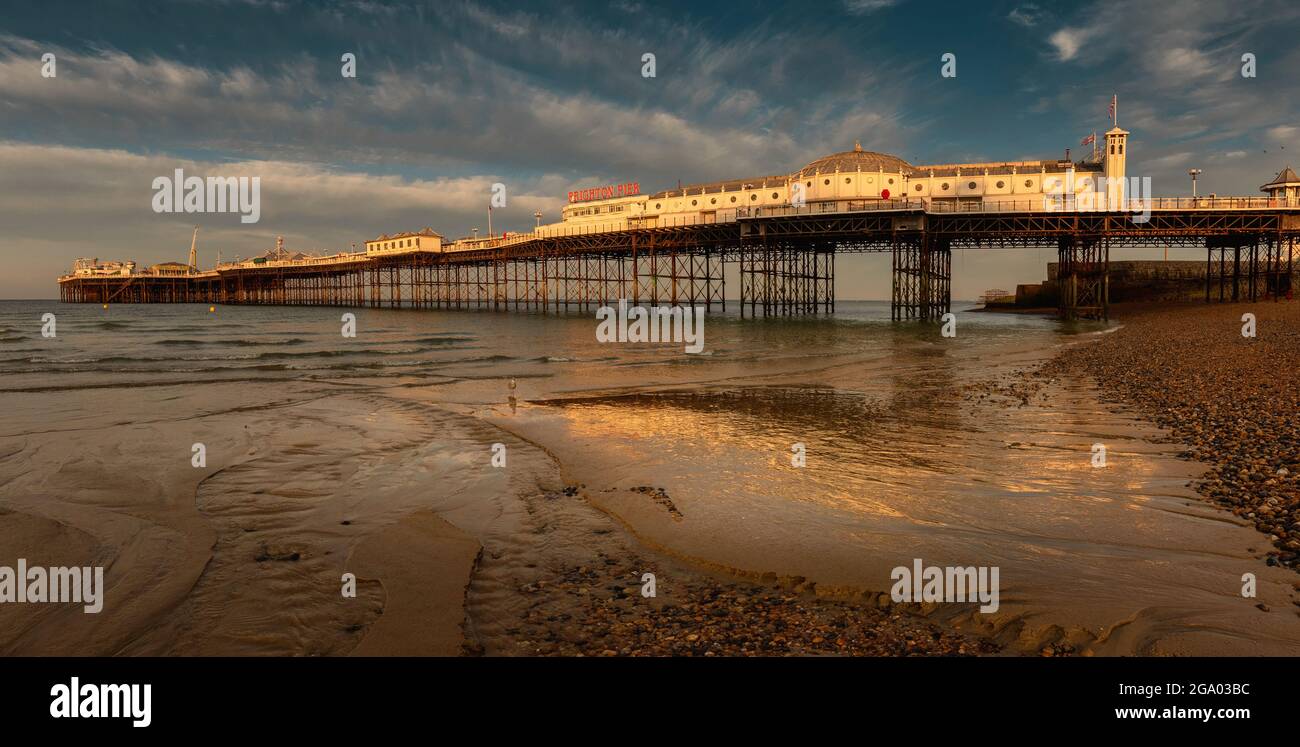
(1232, 400)
(956, 454)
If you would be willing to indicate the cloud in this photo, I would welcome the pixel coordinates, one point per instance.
(862, 7)
(1068, 41)
(1026, 15)
(59, 203)
(464, 107)
(1283, 133)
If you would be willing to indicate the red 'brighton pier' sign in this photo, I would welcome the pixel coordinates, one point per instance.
(605, 193)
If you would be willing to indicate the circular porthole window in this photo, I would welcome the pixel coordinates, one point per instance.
(847, 180)
(694, 203)
(753, 197)
(827, 182)
(1029, 182)
(945, 186)
(971, 185)
(658, 205)
(1001, 184)
(733, 198)
(891, 181)
(713, 201)
(776, 195)
(918, 188)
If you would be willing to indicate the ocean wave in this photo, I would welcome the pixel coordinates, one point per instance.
(235, 343)
(567, 359)
(444, 339)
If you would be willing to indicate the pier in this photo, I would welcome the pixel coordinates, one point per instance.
(784, 255)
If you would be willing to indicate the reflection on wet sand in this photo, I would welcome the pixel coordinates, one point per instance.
(1117, 560)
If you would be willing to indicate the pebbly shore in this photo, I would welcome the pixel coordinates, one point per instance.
(697, 615)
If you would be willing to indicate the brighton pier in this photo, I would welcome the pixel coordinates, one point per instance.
(781, 235)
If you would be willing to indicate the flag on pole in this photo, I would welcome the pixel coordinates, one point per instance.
(1089, 140)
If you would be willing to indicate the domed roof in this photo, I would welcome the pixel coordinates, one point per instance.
(855, 160)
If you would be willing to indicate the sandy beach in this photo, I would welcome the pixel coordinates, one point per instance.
(971, 453)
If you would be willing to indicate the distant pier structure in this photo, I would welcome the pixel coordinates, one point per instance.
(779, 234)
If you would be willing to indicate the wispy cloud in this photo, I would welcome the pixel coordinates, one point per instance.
(1026, 15)
(861, 7)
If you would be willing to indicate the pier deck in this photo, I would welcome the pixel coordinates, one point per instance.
(785, 257)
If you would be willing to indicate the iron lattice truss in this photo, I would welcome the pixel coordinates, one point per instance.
(922, 270)
(786, 264)
(785, 278)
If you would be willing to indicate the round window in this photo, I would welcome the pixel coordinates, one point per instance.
(970, 185)
(753, 197)
(694, 203)
(827, 182)
(945, 185)
(1001, 184)
(847, 180)
(713, 201)
(809, 183)
(1029, 182)
(918, 188)
(891, 181)
(776, 195)
(733, 198)
(658, 205)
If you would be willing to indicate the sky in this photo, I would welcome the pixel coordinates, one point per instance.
(451, 97)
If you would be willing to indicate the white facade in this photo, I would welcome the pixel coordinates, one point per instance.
(426, 240)
(854, 176)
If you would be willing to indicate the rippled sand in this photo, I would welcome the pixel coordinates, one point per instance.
(373, 457)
